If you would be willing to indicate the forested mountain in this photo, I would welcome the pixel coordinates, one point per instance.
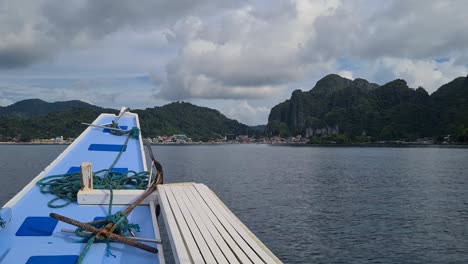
(36, 107)
(35, 118)
(200, 123)
(337, 105)
(54, 124)
(450, 107)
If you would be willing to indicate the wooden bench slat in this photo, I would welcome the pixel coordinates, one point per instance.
(219, 237)
(218, 210)
(192, 247)
(200, 240)
(202, 229)
(175, 238)
(227, 236)
(203, 225)
(255, 244)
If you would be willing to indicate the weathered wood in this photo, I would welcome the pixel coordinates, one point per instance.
(104, 233)
(202, 245)
(203, 225)
(175, 237)
(217, 211)
(143, 196)
(225, 242)
(240, 228)
(111, 226)
(200, 225)
(188, 239)
(105, 127)
(144, 239)
(86, 176)
(120, 197)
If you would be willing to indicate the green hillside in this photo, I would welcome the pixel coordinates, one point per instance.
(34, 118)
(200, 123)
(36, 107)
(338, 106)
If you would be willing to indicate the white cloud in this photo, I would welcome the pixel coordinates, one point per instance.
(32, 31)
(107, 92)
(242, 110)
(382, 41)
(403, 29)
(5, 102)
(244, 53)
(426, 73)
(216, 50)
(346, 74)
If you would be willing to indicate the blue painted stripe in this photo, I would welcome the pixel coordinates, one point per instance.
(107, 147)
(61, 259)
(100, 225)
(74, 169)
(37, 226)
(123, 170)
(78, 169)
(106, 130)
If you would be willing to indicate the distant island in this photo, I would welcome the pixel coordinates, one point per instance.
(336, 111)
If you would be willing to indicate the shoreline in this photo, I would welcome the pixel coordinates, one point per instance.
(348, 145)
(375, 145)
(33, 143)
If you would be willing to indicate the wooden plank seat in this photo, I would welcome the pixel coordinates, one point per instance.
(202, 229)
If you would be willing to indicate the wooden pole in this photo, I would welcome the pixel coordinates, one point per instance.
(144, 239)
(104, 233)
(86, 177)
(129, 209)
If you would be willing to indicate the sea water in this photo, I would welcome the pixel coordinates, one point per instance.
(316, 204)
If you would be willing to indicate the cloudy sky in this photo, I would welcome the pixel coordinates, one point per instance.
(240, 57)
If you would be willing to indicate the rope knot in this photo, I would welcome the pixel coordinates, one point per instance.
(2, 222)
(135, 132)
(121, 224)
(117, 217)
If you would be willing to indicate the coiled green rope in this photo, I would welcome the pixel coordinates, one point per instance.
(134, 132)
(2, 222)
(5, 216)
(66, 186)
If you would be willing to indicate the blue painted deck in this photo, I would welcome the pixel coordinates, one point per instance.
(20, 249)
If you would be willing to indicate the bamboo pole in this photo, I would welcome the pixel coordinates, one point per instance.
(104, 233)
